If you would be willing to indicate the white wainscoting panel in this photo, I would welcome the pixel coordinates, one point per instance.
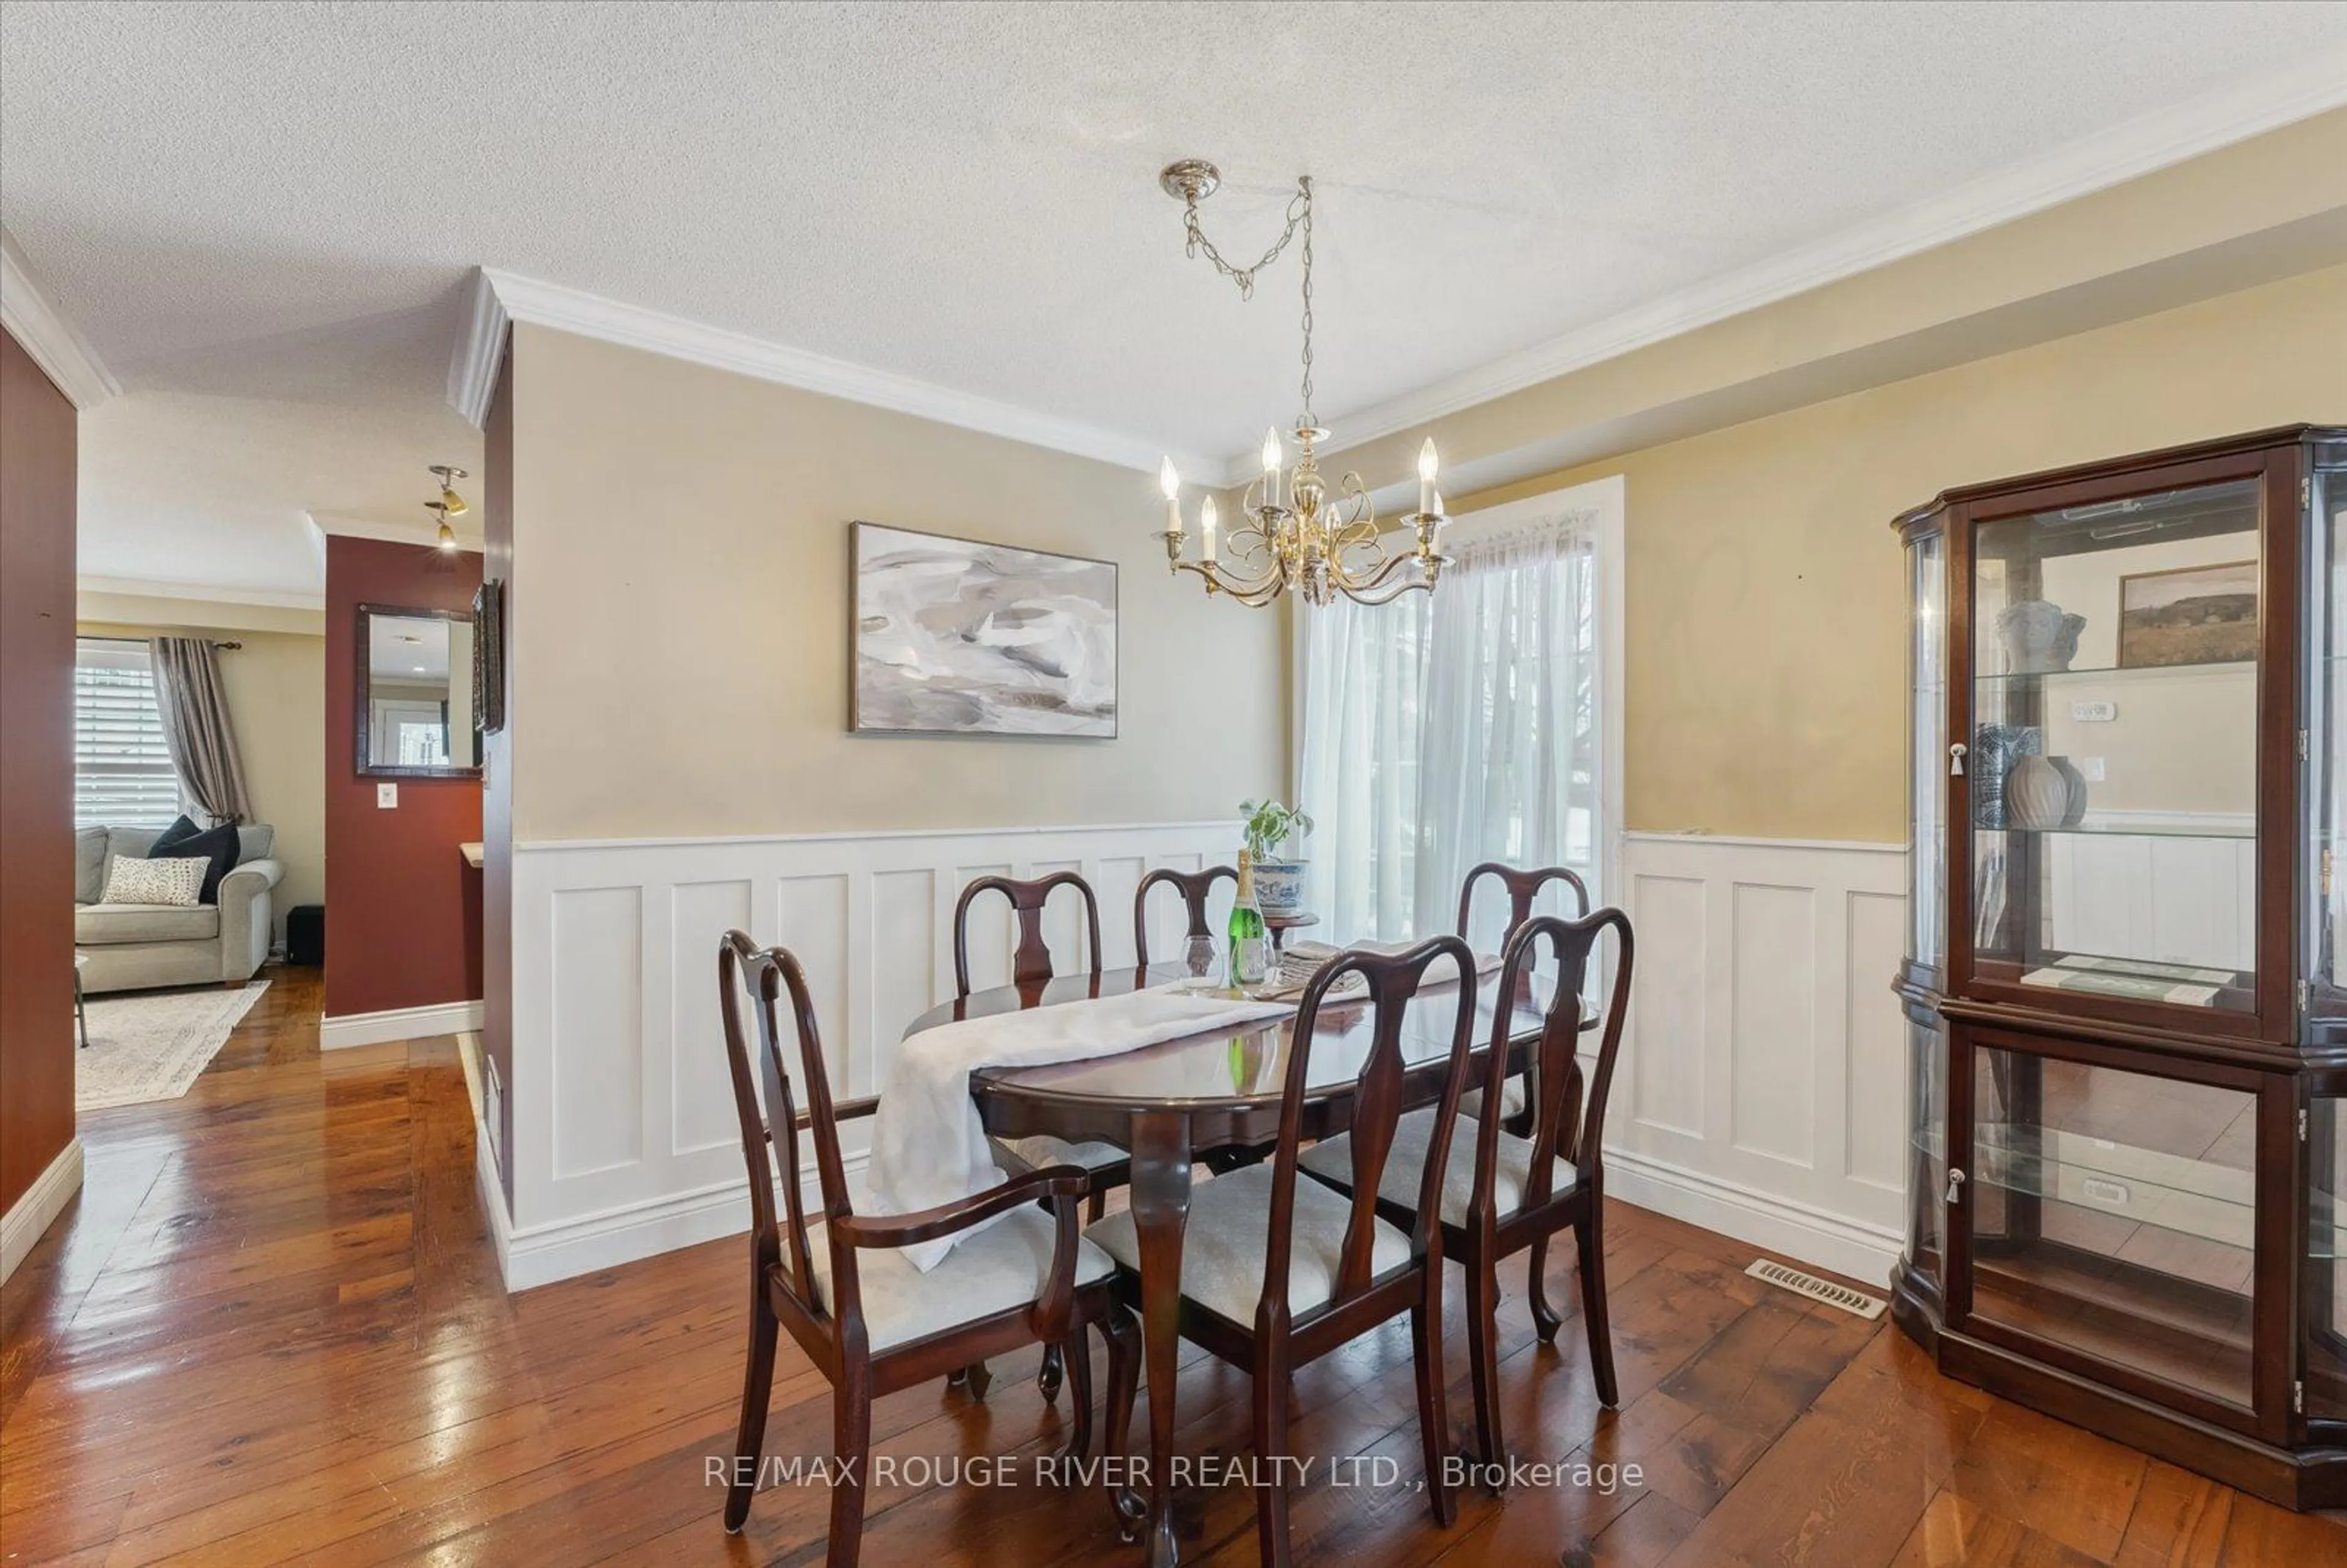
(1765, 1073)
(625, 1140)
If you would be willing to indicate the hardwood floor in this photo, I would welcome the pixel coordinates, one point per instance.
(271, 1330)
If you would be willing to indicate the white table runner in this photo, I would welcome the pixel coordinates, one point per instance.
(928, 1146)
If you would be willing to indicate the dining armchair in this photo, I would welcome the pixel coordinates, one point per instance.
(869, 1321)
(1522, 887)
(1277, 1272)
(1500, 1193)
(1198, 946)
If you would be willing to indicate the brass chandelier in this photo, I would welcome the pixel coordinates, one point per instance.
(1295, 535)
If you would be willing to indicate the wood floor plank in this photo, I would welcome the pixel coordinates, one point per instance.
(272, 1330)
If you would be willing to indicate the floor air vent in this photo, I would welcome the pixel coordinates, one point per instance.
(1816, 1289)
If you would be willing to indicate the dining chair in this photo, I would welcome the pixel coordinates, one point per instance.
(1109, 1166)
(867, 1319)
(1523, 886)
(1105, 1166)
(1031, 960)
(1194, 886)
(1277, 1272)
(1500, 1193)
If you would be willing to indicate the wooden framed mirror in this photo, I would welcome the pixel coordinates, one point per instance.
(413, 715)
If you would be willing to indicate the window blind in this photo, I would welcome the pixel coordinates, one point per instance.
(123, 776)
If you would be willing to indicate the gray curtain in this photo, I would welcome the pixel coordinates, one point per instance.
(196, 726)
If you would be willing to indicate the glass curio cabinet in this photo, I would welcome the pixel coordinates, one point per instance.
(2126, 986)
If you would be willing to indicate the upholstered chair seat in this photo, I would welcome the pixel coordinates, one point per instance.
(1413, 1134)
(992, 1270)
(1513, 1101)
(1228, 1235)
(1043, 1151)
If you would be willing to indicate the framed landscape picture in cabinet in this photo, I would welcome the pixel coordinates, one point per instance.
(2125, 992)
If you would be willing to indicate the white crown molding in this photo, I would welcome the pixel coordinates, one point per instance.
(2173, 135)
(325, 525)
(500, 297)
(201, 593)
(480, 349)
(47, 336)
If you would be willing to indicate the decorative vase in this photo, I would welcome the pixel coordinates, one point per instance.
(1995, 747)
(2038, 637)
(1279, 887)
(2074, 810)
(2036, 794)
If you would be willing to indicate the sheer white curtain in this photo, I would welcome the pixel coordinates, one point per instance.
(1464, 726)
(1365, 670)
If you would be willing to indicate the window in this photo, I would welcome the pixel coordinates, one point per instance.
(1470, 724)
(123, 775)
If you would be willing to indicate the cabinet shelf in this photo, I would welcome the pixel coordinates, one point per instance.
(2212, 829)
(2105, 675)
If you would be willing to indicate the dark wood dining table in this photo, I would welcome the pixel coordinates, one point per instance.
(1175, 1103)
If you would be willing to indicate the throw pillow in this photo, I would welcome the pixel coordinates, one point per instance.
(218, 846)
(177, 882)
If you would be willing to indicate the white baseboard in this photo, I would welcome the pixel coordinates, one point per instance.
(30, 1217)
(492, 1192)
(1848, 1247)
(398, 1023)
(543, 1254)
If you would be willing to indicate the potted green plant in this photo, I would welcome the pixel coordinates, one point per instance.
(1270, 828)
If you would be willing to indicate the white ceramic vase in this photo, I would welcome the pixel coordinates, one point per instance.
(2036, 794)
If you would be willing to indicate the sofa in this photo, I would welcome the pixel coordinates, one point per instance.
(138, 947)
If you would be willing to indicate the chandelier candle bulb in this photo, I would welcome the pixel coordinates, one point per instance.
(1271, 465)
(1428, 465)
(1171, 483)
(1206, 529)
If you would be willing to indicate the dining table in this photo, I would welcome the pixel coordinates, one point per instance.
(1218, 1093)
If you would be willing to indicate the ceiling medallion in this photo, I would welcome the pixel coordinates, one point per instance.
(1296, 535)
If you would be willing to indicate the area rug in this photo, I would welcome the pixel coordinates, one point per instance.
(151, 1045)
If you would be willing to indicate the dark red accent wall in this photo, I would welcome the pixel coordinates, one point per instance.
(36, 657)
(403, 910)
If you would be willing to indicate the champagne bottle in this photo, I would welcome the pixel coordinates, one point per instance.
(1250, 938)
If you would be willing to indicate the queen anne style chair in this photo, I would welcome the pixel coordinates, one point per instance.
(869, 1321)
(1500, 1193)
(1277, 1272)
(1522, 887)
(1198, 946)
(1106, 1167)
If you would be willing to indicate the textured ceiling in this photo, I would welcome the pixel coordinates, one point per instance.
(268, 201)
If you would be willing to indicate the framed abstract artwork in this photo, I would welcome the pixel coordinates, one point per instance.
(959, 637)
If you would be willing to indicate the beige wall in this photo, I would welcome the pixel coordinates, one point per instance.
(1766, 655)
(277, 697)
(681, 648)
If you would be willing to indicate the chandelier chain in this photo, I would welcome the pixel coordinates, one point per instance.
(1298, 210)
(1307, 420)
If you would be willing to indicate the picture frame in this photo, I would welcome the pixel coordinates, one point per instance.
(2189, 615)
(953, 636)
(489, 656)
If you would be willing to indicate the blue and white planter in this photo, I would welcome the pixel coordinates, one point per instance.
(1279, 887)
